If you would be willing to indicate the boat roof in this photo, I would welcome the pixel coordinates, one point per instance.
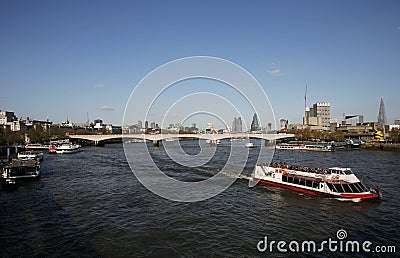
(341, 169)
(21, 163)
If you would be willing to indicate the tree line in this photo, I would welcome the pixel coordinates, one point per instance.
(39, 135)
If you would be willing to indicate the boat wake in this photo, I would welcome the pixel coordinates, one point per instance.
(233, 175)
(349, 199)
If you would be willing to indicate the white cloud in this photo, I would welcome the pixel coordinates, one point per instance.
(99, 85)
(107, 108)
(275, 72)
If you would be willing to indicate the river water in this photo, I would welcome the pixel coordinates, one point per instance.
(90, 204)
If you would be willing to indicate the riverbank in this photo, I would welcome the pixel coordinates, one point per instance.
(382, 146)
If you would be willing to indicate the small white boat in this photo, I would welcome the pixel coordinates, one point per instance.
(27, 155)
(249, 145)
(213, 142)
(323, 148)
(36, 146)
(67, 148)
(285, 146)
(302, 147)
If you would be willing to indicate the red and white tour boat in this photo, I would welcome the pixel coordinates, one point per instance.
(333, 182)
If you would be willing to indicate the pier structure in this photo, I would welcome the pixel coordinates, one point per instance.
(156, 138)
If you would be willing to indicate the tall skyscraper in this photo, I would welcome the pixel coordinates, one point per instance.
(140, 124)
(146, 124)
(254, 124)
(237, 125)
(269, 128)
(382, 114)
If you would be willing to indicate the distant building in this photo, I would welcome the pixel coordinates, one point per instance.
(359, 131)
(254, 124)
(397, 121)
(6, 117)
(210, 129)
(318, 116)
(269, 127)
(113, 129)
(98, 124)
(146, 124)
(284, 123)
(153, 125)
(140, 124)
(237, 125)
(354, 119)
(382, 114)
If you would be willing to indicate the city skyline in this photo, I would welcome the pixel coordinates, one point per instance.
(62, 60)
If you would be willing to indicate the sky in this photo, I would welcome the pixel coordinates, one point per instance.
(74, 59)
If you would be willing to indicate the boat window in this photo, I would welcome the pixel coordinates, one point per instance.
(354, 188)
(284, 178)
(364, 187)
(290, 179)
(359, 187)
(295, 181)
(347, 188)
(348, 172)
(315, 184)
(339, 188)
(309, 183)
(331, 187)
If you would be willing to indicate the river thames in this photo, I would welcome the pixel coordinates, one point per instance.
(90, 204)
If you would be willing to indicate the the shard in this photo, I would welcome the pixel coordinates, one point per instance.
(382, 114)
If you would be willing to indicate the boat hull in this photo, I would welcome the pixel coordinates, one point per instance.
(361, 196)
(67, 151)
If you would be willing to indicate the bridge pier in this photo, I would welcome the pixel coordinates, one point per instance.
(268, 142)
(156, 143)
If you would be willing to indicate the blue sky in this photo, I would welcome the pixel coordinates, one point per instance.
(70, 58)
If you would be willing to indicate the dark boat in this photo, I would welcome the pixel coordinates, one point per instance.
(20, 170)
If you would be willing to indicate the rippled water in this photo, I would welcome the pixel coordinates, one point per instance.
(90, 204)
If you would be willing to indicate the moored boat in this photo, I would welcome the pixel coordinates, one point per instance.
(323, 148)
(20, 169)
(285, 146)
(302, 147)
(36, 146)
(67, 148)
(334, 182)
(27, 155)
(249, 145)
